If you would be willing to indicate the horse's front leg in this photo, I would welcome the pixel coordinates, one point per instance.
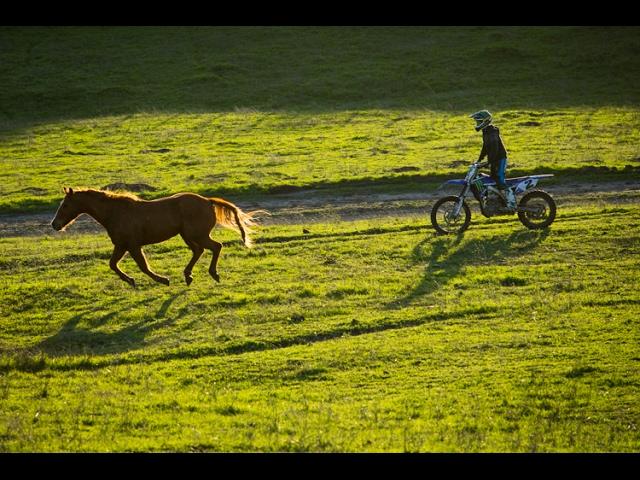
(118, 253)
(138, 256)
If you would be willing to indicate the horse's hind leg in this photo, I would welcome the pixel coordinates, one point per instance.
(118, 253)
(215, 248)
(197, 253)
(138, 256)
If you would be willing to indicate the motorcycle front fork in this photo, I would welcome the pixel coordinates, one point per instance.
(458, 207)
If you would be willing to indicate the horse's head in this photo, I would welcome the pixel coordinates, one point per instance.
(68, 211)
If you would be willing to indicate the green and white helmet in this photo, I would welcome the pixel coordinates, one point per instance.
(482, 118)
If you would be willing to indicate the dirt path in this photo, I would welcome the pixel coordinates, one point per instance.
(316, 206)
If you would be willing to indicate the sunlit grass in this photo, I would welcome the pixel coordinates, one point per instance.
(360, 336)
(242, 153)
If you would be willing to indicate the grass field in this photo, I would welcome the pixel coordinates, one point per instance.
(362, 336)
(359, 335)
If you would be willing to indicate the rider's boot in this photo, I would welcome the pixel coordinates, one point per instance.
(511, 199)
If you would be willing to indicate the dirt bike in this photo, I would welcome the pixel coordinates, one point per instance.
(451, 214)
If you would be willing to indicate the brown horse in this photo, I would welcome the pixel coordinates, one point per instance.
(132, 222)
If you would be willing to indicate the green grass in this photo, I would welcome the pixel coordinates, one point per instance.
(359, 336)
(240, 154)
(249, 111)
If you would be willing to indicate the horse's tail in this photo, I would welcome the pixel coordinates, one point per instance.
(232, 217)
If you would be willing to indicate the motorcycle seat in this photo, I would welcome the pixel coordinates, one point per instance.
(487, 180)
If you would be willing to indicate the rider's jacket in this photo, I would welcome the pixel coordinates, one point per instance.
(492, 145)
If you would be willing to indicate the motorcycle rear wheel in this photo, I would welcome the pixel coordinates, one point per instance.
(545, 212)
(442, 219)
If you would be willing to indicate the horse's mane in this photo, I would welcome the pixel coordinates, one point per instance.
(114, 194)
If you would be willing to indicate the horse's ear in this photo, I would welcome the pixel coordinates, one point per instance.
(68, 191)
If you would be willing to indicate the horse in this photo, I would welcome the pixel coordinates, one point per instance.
(132, 222)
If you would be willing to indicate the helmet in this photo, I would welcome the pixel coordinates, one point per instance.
(482, 118)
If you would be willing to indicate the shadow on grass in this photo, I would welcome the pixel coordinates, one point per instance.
(74, 340)
(446, 257)
(74, 348)
(81, 72)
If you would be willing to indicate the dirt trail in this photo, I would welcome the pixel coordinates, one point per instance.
(316, 206)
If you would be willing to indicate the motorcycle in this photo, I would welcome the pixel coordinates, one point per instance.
(451, 214)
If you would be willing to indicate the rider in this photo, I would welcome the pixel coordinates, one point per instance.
(493, 148)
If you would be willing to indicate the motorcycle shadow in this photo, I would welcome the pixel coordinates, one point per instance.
(445, 257)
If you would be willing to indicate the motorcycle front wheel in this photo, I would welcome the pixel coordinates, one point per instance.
(443, 219)
(539, 210)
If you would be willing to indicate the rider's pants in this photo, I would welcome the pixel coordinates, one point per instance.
(498, 171)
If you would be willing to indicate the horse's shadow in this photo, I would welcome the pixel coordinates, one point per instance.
(446, 257)
(73, 340)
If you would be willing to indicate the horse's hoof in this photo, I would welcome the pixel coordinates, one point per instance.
(132, 282)
(188, 280)
(216, 277)
(164, 281)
